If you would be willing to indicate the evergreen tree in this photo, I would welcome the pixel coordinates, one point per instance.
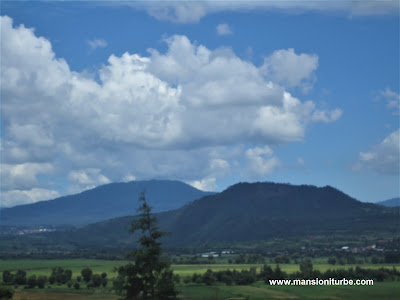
(149, 277)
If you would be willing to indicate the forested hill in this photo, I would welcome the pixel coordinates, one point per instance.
(252, 212)
(102, 203)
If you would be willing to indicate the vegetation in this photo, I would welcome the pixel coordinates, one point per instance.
(148, 277)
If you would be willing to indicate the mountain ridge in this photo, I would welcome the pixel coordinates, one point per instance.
(252, 212)
(102, 203)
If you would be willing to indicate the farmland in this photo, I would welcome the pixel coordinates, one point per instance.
(257, 290)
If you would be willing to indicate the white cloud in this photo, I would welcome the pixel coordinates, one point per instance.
(382, 158)
(261, 162)
(194, 11)
(160, 115)
(224, 29)
(327, 116)
(291, 69)
(128, 178)
(88, 177)
(207, 184)
(392, 100)
(97, 43)
(22, 175)
(18, 197)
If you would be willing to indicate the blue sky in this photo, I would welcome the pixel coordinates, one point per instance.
(209, 93)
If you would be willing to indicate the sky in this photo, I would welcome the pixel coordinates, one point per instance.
(210, 93)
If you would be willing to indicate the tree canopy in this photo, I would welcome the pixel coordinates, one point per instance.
(149, 277)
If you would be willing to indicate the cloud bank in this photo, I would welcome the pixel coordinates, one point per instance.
(194, 11)
(158, 116)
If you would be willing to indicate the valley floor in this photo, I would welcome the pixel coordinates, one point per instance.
(387, 290)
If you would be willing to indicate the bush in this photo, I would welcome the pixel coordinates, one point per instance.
(96, 280)
(77, 285)
(6, 293)
(8, 278)
(20, 277)
(32, 281)
(332, 261)
(87, 274)
(41, 281)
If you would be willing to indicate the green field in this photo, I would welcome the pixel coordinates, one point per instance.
(381, 290)
(43, 267)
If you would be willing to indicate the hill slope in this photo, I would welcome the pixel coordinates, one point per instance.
(251, 212)
(101, 203)
(390, 203)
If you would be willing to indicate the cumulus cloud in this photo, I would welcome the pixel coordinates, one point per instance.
(261, 162)
(88, 177)
(97, 43)
(22, 175)
(194, 11)
(291, 69)
(383, 158)
(224, 29)
(158, 116)
(17, 197)
(206, 184)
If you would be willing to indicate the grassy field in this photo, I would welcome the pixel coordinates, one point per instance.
(43, 267)
(259, 290)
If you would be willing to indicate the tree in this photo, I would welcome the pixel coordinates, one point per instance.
(32, 282)
(96, 279)
(306, 268)
(86, 274)
(41, 281)
(20, 277)
(8, 278)
(149, 277)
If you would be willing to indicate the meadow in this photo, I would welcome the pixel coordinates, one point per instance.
(381, 290)
(44, 267)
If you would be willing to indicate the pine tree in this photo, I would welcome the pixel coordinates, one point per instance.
(148, 277)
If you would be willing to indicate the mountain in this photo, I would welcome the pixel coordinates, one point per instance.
(102, 203)
(251, 212)
(390, 203)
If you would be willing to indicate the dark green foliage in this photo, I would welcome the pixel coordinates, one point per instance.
(267, 273)
(8, 278)
(278, 273)
(208, 277)
(86, 274)
(32, 282)
(282, 259)
(68, 274)
(69, 284)
(332, 261)
(104, 282)
(20, 277)
(103, 275)
(52, 279)
(78, 278)
(59, 275)
(77, 285)
(96, 279)
(392, 257)
(306, 268)
(41, 281)
(6, 293)
(149, 277)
